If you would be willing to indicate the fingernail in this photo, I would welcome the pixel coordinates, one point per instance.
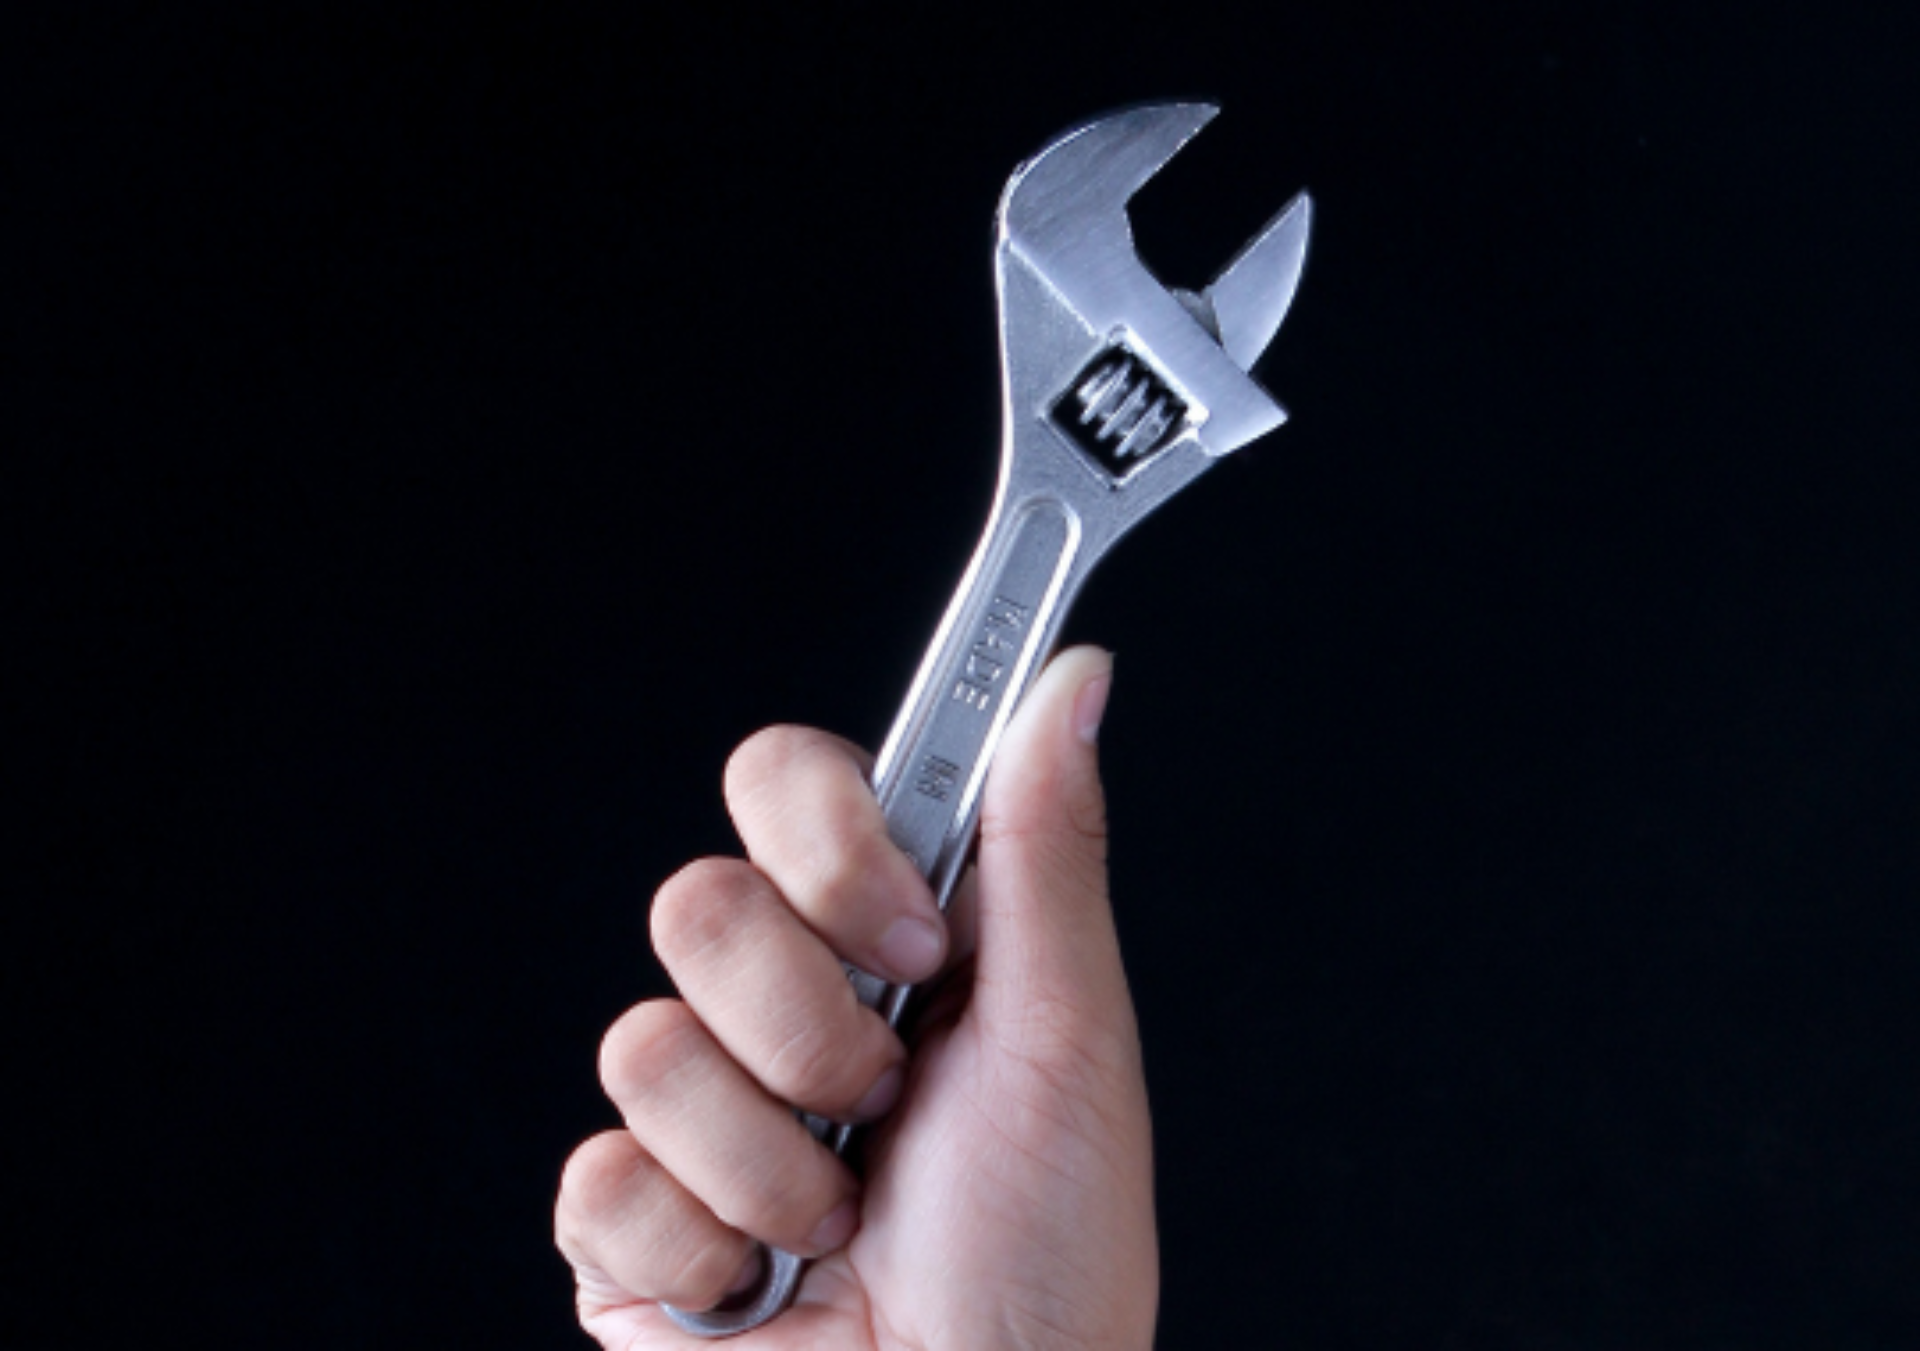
(836, 1229)
(1091, 705)
(881, 1097)
(910, 949)
(750, 1273)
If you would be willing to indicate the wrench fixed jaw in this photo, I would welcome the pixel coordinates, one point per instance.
(1084, 177)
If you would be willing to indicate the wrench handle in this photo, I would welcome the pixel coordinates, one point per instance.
(998, 631)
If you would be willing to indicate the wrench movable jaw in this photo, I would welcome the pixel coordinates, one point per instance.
(1252, 294)
(1179, 364)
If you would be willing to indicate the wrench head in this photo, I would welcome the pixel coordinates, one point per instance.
(1121, 365)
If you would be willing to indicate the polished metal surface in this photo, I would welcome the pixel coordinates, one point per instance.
(1116, 394)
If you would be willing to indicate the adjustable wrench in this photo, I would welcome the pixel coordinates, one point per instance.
(1116, 393)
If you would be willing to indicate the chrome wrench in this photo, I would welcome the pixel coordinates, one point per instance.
(1116, 393)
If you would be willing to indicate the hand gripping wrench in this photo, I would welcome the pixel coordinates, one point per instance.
(1116, 394)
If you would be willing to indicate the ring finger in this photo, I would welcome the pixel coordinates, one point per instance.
(772, 994)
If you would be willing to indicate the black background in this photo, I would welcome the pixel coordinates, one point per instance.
(440, 434)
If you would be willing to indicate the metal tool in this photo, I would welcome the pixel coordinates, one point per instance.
(1117, 392)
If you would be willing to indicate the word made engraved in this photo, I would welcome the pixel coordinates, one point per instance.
(1002, 631)
(985, 660)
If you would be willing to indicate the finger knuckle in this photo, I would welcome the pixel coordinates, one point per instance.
(697, 1276)
(1086, 820)
(779, 1204)
(695, 907)
(765, 758)
(1066, 855)
(817, 1066)
(594, 1179)
(646, 1045)
(1078, 824)
(857, 870)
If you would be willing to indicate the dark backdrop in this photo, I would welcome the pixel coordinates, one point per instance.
(440, 434)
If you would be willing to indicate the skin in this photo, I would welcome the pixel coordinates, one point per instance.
(1008, 1192)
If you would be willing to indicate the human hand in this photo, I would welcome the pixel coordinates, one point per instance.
(1008, 1199)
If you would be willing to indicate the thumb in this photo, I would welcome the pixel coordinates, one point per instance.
(1047, 968)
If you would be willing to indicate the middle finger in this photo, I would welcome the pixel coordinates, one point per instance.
(772, 994)
(808, 817)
